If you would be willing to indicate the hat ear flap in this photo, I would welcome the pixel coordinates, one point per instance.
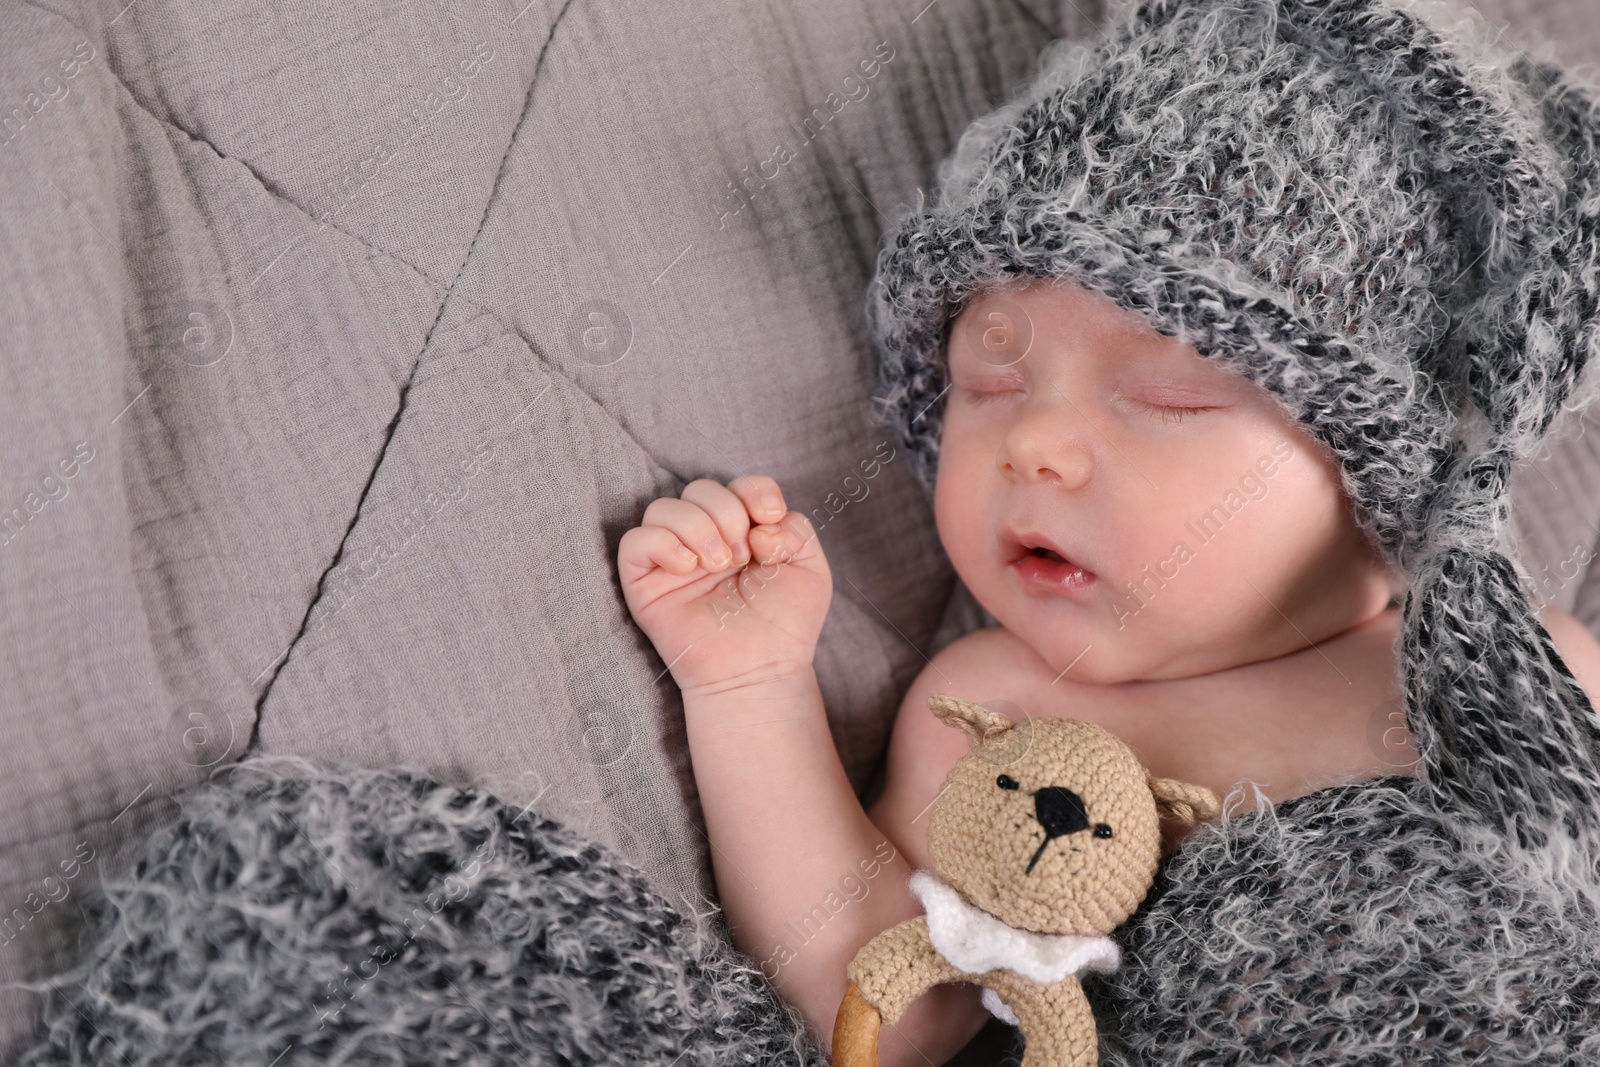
(1505, 734)
(1569, 293)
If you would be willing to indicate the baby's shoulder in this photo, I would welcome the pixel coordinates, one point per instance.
(992, 651)
(982, 666)
(988, 666)
(993, 667)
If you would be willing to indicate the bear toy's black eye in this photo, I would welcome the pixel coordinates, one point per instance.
(1005, 781)
(1102, 829)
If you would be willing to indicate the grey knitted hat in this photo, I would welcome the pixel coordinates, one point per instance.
(1387, 222)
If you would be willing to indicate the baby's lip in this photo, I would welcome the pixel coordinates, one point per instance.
(1019, 543)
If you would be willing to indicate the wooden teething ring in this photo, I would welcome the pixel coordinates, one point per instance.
(855, 1031)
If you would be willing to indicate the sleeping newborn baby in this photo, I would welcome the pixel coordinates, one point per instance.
(1168, 555)
(1173, 548)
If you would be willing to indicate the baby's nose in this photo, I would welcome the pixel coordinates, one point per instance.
(1060, 811)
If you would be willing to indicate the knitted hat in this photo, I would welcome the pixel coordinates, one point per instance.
(1389, 224)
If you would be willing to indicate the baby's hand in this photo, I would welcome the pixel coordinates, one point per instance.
(744, 601)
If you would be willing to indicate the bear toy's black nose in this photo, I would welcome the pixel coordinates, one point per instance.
(1060, 811)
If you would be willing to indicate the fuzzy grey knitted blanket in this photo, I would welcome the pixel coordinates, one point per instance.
(294, 915)
(1351, 926)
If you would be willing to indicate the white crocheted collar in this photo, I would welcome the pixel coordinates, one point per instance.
(975, 941)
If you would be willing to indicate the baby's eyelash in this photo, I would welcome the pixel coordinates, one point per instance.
(1167, 414)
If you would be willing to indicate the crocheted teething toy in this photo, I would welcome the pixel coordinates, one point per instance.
(1044, 839)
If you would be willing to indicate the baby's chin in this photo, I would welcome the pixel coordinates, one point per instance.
(1114, 659)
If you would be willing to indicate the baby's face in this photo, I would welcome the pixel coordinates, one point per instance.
(1212, 538)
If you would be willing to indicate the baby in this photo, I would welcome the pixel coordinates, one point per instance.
(1168, 550)
(1263, 651)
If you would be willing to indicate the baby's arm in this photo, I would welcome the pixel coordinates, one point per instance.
(805, 877)
(789, 842)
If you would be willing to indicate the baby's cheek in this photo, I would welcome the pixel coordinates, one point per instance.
(961, 509)
(1216, 534)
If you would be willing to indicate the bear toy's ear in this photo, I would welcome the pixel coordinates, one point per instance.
(1184, 802)
(975, 719)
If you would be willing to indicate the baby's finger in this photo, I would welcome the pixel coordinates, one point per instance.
(644, 548)
(694, 528)
(781, 541)
(761, 495)
(725, 509)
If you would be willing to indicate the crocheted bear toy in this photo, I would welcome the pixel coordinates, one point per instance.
(1044, 838)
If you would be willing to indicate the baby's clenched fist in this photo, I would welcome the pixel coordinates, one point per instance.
(729, 585)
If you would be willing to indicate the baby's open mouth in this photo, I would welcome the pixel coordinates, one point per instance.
(1042, 567)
